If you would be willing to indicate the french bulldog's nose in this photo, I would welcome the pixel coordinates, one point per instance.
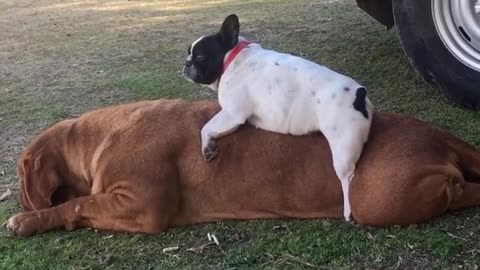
(188, 63)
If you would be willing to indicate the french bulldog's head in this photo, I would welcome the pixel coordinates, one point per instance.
(205, 56)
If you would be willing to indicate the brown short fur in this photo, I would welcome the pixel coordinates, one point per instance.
(138, 168)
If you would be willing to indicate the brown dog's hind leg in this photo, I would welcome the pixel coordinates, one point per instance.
(106, 211)
(470, 197)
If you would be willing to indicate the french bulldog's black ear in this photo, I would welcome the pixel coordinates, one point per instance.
(229, 31)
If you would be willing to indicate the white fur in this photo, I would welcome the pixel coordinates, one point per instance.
(195, 42)
(287, 94)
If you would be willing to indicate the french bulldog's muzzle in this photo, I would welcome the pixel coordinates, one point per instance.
(190, 72)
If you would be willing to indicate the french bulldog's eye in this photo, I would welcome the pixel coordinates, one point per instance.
(199, 58)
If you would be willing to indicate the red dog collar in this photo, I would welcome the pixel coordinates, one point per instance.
(235, 51)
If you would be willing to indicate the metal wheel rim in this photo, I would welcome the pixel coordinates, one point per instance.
(458, 25)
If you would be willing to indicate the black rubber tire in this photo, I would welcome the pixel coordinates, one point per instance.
(433, 61)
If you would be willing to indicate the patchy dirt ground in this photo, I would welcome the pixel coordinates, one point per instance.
(61, 58)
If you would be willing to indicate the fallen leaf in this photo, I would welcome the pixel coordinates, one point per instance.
(170, 249)
(200, 248)
(5, 195)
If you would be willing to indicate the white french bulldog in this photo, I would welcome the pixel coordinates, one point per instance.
(280, 93)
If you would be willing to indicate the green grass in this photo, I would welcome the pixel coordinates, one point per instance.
(27, 111)
(248, 245)
(165, 85)
(123, 51)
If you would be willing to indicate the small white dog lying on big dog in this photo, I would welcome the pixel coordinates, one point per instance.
(280, 93)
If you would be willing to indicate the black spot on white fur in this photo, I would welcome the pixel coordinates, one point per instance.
(346, 89)
(276, 63)
(359, 102)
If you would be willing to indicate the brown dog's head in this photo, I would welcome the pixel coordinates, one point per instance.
(38, 173)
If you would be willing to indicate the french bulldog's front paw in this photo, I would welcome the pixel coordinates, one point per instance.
(23, 224)
(210, 151)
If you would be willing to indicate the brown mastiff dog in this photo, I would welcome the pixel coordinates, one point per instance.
(138, 168)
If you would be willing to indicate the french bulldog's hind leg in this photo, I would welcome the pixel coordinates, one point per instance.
(346, 151)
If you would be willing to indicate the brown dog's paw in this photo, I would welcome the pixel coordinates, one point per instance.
(23, 224)
(211, 150)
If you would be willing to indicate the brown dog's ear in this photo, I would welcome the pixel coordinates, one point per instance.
(21, 173)
(40, 181)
